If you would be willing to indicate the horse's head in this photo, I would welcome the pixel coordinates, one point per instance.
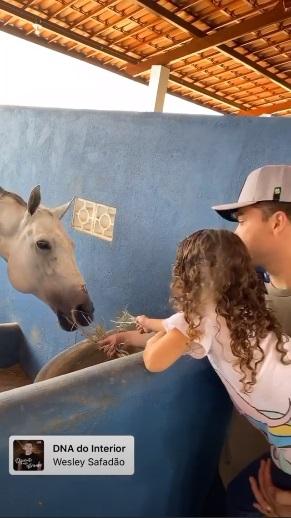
(42, 262)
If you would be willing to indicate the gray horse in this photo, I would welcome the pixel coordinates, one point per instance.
(40, 257)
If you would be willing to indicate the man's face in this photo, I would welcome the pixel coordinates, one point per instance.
(256, 232)
(28, 448)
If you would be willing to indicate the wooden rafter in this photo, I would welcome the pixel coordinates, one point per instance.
(205, 92)
(59, 10)
(14, 31)
(252, 65)
(225, 49)
(58, 29)
(168, 16)
(35, 39)
(262, 110)
(235, 76)
(84, 18)
(172, 78)
(200, 44)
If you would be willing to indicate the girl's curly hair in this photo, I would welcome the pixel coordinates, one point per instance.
(214, 265)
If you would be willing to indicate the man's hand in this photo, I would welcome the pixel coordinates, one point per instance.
(270, 500)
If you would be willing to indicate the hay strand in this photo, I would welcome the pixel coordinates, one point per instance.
(94, 333)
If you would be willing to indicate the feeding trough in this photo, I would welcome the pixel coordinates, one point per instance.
(87, 352)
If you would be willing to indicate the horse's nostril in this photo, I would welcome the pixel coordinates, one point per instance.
(83, 314)
(85, 308)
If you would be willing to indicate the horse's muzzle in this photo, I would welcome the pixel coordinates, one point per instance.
(81, 315)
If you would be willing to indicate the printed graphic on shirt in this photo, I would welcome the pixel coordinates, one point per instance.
(274, 425)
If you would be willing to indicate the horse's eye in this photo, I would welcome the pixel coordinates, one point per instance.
(43, 245)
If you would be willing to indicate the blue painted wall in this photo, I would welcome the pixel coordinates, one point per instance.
(178, 437)
(162, 173)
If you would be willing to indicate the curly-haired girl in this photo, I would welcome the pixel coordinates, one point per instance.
(222, 313)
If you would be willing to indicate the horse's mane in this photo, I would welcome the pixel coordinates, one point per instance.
(15, 197)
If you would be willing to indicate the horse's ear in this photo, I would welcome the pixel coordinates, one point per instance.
(34, 200)
(62, 209)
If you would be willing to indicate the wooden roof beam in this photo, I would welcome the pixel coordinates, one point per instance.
(172, 78)
(59, 10)
(199, 44)
(84, 18)
(204, 91)
(252, 65)
(168, 16)
(225, 49)
(57, 29)
(277, 107)
(53, 46)
(199, 103)
(187, 4)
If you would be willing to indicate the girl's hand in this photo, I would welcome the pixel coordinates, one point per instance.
(142, 324)
(270, 500)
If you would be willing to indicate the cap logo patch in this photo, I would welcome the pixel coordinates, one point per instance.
(277, 193)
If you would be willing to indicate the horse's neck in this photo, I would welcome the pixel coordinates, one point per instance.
(11, 213)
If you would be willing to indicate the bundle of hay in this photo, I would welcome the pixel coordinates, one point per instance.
(125, 321)
(94, 333)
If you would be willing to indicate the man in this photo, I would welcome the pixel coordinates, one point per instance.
(263, 214)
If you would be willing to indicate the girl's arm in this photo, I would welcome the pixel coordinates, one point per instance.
(111, 342)
(155, 338)
(164, 349)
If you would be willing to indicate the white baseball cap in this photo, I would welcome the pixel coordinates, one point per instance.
(268, 183)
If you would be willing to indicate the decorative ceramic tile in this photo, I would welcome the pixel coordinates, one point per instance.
(94, 218)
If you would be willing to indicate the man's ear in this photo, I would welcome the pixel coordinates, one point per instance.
(34, 200)
(279, 221)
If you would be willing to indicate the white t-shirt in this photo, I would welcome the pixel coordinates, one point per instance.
(268, 406)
